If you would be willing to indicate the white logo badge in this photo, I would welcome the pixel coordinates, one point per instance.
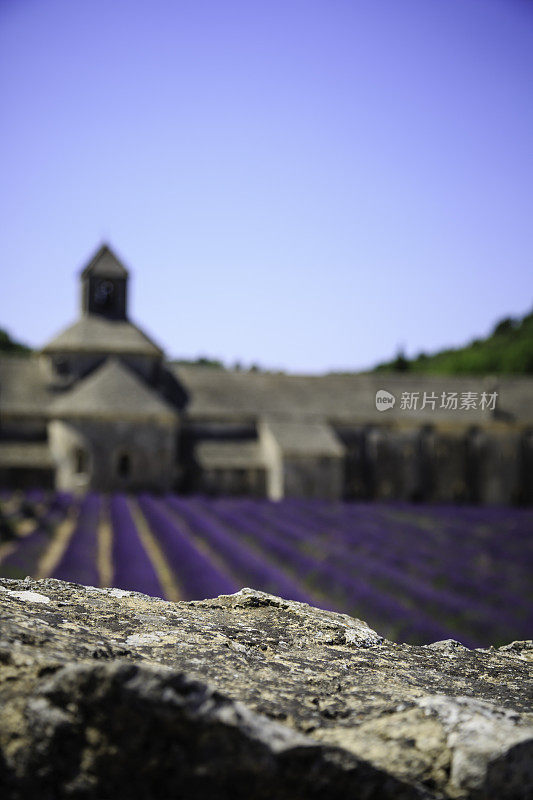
(384, 400)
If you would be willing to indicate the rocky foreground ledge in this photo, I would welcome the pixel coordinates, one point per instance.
(109, 694)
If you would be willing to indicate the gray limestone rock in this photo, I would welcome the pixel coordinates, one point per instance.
(111, 695)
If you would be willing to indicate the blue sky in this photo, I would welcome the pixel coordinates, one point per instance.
(305, 185)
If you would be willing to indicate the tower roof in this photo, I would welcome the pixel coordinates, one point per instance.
(113, 391)
(106, 264)
(94, 334)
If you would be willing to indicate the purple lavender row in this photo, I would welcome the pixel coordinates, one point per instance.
(453, 570)
(79, 562)
(458, 564)
(474, 613)
(386, 574)
(251, 568)
(35, 495)
(132, 568)
(471, 604)
(26, 503)
(479, 572)
(453, 563)
(387, 517)
(348, 594)
(371, 602)
(493, 538)
(193, 570)
(453, 521)
(378, 526)
(483, 586)
(28, 549)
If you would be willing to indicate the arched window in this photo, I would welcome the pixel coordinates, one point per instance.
(62, 366)
(81, 461)
(124, 465)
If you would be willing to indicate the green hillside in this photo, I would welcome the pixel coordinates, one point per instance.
(508, 350)
(8, 345)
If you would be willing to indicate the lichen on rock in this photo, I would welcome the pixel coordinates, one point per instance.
(108, 694)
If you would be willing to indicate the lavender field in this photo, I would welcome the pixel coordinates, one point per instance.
(415, 573)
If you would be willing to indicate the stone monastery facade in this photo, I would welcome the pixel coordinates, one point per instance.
(100, 407)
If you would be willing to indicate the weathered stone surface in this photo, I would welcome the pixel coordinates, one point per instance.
(108, 694)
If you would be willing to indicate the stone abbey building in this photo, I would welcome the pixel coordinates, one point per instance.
(99, 406)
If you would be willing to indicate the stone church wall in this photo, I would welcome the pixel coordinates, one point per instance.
(113, 456)
(483, 465)
(313, 477)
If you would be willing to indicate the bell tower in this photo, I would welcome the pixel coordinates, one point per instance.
(104, 283)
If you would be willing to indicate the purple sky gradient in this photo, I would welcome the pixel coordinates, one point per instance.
(306, 185)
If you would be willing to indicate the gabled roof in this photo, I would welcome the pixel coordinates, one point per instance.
(25, 454)
(346, 399)
(96, 334)
(23, 386)
(304, 438)
(106, 264)
(112, 392)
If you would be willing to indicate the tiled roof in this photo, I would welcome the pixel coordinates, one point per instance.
(350, 399)
(112, 391)
(25, 454)
(304, 438)
(24, 386)
(106, 264)
(96, 334)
